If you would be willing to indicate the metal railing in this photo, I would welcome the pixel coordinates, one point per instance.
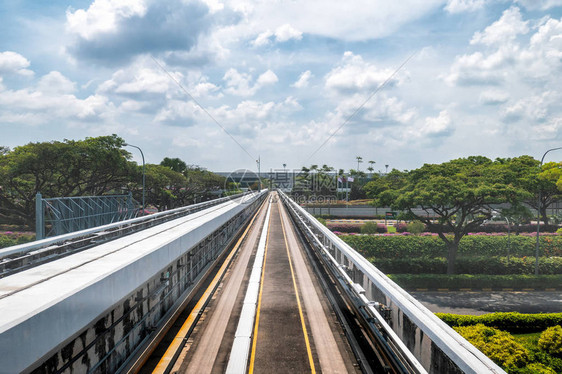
(437, 347)
(62, 215)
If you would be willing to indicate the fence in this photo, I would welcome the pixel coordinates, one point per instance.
(62, 215)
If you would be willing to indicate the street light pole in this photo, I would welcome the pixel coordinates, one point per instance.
(258, 161)
(539, 215)
(143, 175)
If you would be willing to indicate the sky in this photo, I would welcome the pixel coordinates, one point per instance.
(221, 83)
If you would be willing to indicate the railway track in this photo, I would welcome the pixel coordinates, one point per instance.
(276, 304)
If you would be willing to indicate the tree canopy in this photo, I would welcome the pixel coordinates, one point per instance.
(454, 196)
(93, 167)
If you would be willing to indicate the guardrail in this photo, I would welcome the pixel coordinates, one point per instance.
(22, 256)
(409, 324)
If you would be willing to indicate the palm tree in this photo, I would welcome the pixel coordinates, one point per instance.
(371, 168)
(359, 160)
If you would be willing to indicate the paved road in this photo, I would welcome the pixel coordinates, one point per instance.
(477, 303)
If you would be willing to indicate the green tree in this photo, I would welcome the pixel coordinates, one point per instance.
(202, 185)
(175, 164)
(163, 186)
(454, 197)
(526, 172)
(93, 166)
(549, 182)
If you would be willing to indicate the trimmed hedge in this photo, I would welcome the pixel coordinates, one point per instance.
(478, 281)
(493, 265)
(395, 246)
(351, 228)
(516, 323)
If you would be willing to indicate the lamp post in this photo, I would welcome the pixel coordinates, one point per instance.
(143, 175)
(258, 161)
(539, 215)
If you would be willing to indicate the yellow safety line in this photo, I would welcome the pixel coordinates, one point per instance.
(257, 321)
(308, 350)
(176, 342)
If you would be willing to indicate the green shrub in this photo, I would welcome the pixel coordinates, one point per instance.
(551, 341)
(535, 368)
(345, 227)
(415, 227)
(493, 265)
(321, 220)
(512, 322)
(369, 228)
(8, 239)
(500, 346)
(432, 246)
(475, 281)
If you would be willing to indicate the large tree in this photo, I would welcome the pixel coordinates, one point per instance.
(454, 197)
(541, 182)
(93, 166)
(548, 185)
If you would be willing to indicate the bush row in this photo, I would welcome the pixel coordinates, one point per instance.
(516, 323)
(478, 281)
(432, 246)
(10, 239)
(493, 228)
(345, 227)
(494, 265)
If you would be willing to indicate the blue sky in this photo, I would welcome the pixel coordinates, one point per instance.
(281, 76)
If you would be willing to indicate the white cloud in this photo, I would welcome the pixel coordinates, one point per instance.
(55, 82)
(240, 84)
(531, 109)
(132, 105)
(282, 34)
(245, 117)
(103, 16)
(355, 74)
(267, 78)
(139, 79)
(45, 104)
(505, 58)
(287, 32)
(437, 126)
(505, 30)
(303, 80)
(351, 20)
(459, 6)
(263, 39)
(493, 97)
(12, 62)
(539, 4)
(114, 32)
